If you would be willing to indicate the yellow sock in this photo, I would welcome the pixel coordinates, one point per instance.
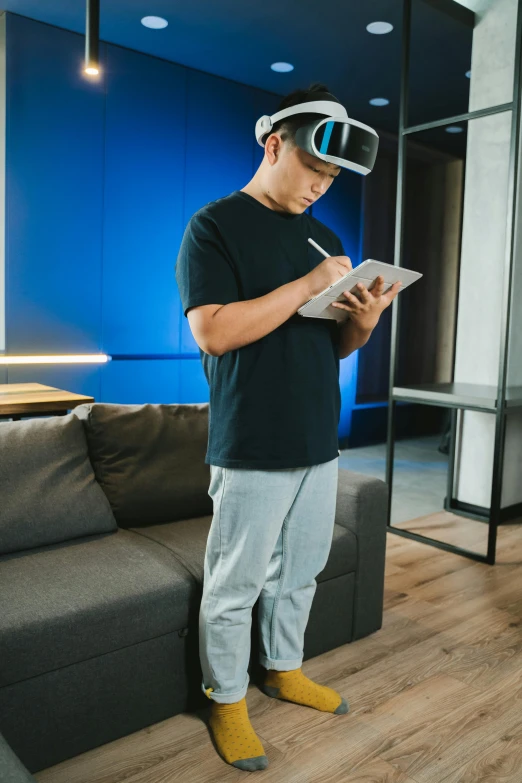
(237, 742)
(295, 686)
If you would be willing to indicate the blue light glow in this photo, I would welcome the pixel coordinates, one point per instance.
(326, 138)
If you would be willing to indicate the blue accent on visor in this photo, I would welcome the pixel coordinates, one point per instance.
(328, 128)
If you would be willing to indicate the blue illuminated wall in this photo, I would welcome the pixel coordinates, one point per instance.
(101, 180)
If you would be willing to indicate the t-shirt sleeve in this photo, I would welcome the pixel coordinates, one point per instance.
(204, 271)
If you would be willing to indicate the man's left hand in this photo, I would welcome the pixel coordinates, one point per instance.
(365, 312)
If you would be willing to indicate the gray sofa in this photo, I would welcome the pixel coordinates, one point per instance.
(104, 518)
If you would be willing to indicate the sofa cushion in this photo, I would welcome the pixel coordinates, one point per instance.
(71, 602)
(47, 486)
(150, 459)
(187, 539)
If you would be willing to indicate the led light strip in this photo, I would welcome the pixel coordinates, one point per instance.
(96, 358)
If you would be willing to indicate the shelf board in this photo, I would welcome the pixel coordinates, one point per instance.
(472, 396)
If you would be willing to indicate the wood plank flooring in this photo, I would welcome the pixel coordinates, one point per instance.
(435, 695)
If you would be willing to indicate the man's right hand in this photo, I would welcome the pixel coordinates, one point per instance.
(327, 273)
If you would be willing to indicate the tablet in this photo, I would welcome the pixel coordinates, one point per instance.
(366, 273)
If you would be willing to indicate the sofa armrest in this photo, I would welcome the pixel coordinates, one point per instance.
(362, 507)
(11, 768)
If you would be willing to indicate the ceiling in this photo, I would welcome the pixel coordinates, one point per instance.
(326, 41)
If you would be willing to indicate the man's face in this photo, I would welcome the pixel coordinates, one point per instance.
(294, 175)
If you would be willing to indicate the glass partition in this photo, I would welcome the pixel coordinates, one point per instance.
(462, 57)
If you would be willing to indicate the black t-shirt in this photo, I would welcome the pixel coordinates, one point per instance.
(275, 402)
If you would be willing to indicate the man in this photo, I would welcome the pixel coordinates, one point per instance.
(243, 270)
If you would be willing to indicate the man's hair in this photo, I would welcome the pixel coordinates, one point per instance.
(288, 126)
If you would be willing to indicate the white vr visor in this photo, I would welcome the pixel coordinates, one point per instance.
(335, 138)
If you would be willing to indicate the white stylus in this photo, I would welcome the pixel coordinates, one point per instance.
(319, 248)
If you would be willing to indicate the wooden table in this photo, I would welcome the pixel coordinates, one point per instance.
(35, 399)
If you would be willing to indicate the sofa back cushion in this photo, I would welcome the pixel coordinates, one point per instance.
(48, 492)
(150, 459)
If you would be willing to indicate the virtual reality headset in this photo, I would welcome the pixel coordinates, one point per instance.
(334, 138)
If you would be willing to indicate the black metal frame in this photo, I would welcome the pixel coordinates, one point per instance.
(507, 299)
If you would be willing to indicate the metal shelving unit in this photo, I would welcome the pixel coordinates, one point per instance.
(455, 396)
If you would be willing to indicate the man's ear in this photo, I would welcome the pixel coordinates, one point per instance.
(273, 144)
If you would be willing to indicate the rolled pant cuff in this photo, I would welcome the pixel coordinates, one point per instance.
(280, 666)
(227, 698)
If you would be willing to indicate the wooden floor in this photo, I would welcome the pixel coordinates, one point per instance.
(435, 695)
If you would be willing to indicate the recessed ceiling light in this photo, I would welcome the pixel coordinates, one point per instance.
(379, 101)
(282, 67)
(468, 74)
(154, 22)
(454, 129)
(379, 28)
